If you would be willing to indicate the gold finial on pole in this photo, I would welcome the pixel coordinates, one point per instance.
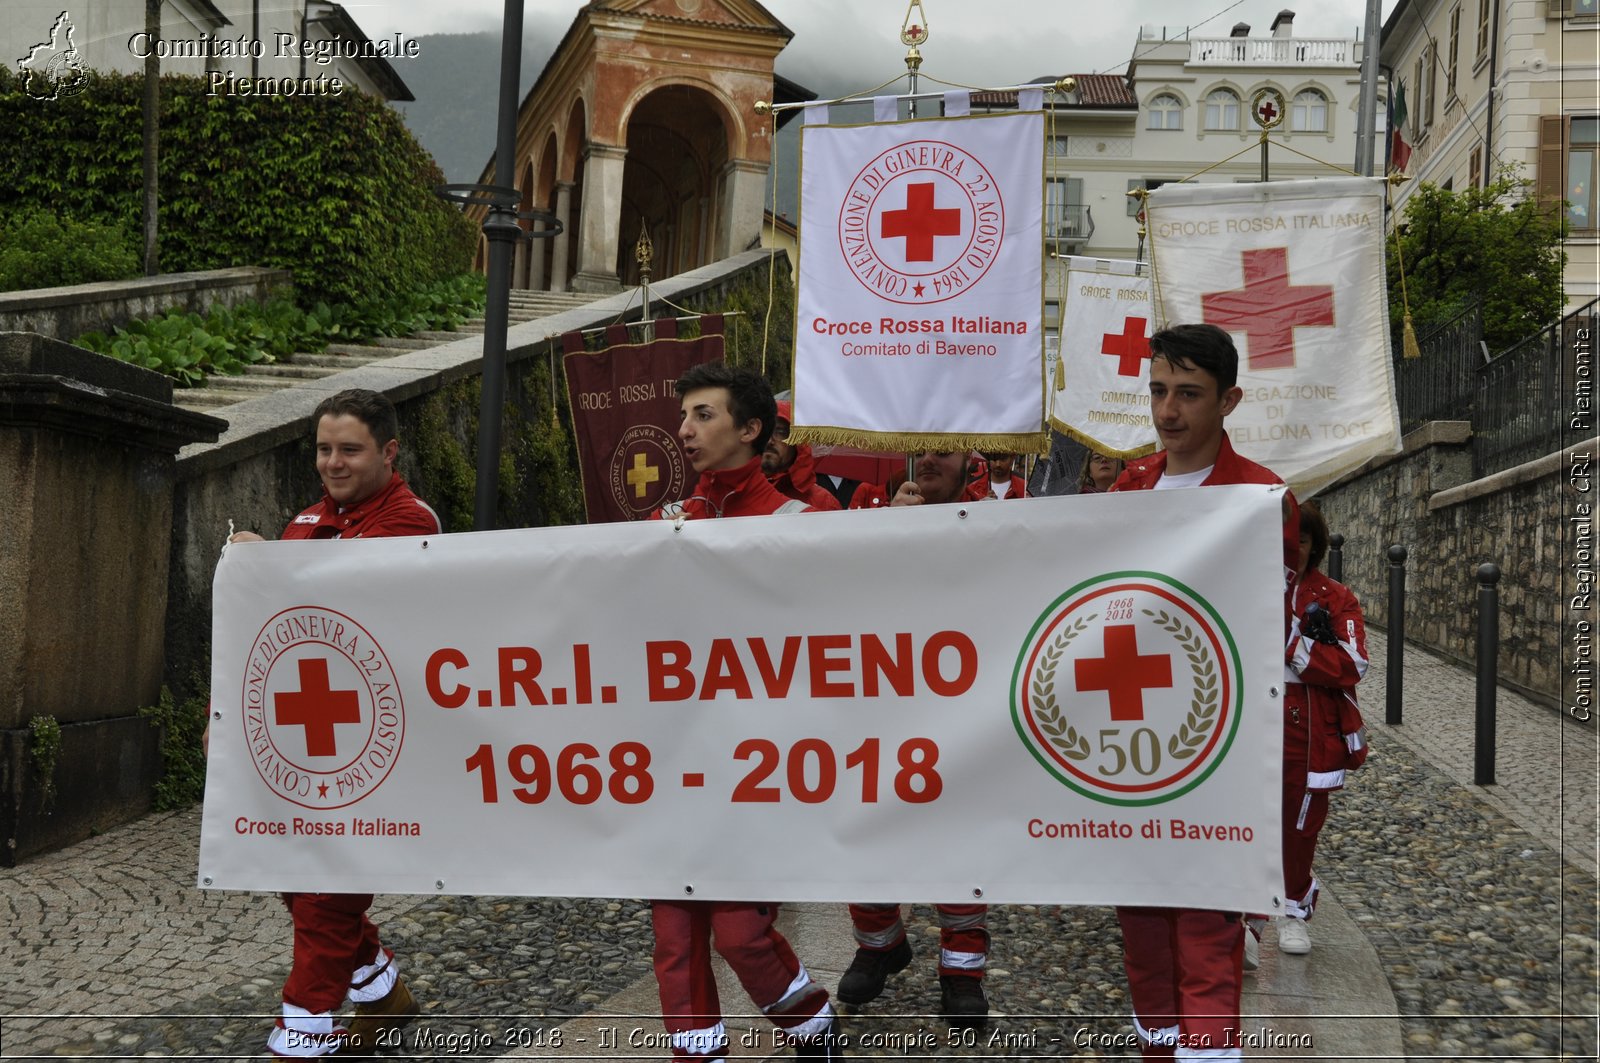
(1065, 85)
(763, 107)
(914, 32)
(643, 252)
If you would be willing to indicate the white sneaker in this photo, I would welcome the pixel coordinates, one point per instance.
(1252, 949)
(1293, 937)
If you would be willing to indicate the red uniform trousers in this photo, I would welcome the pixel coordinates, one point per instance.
(744, 935)
(1185, 973)
(333, 938)
(963, 941)
(1304, 811)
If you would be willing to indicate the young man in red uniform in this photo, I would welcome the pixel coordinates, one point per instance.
(337, 955)
(1186, 965)
(727, 417)
(881, 946)
(1000, 479)
(791, 468)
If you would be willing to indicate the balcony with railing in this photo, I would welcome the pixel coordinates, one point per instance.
(1272, 51)
(1067, 227)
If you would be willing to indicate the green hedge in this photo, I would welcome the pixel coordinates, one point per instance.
(40, 249)
(334, 188)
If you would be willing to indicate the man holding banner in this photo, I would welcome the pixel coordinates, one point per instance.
(728, 416)
(1186, 965)
(337, 954)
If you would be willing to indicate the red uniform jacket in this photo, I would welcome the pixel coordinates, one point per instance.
(1141, 474)
(392, 511)
(1322, 680)
(981, 488)
(799, 481)
(741, 492)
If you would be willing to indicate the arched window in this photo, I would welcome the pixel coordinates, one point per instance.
(1166, 112)
(1309, 112)
(1222, 110)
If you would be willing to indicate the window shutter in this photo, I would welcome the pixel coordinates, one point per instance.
(1552, 160)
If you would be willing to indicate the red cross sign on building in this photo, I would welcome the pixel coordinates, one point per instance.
(317, 708)
(1130, 346)
(920, 221)
(1268, 308)
(1124, 673)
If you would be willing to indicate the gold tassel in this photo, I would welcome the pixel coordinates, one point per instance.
(1061, 375)
(1408, 340)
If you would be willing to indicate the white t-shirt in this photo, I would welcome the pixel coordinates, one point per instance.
(1001, 489)
(1173, 481)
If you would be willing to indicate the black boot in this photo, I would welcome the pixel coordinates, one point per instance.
(962, 1001)
(871, 968)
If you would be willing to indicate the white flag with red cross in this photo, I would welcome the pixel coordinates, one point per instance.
(1294, 271)
(1101, 393)
(920, 306)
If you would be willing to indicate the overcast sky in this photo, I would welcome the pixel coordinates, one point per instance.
(842, 46)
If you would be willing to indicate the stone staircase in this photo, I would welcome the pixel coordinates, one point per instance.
(222, 391)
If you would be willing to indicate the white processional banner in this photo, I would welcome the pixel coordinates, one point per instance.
(920, 299)
(1295, 271)
(1101, 395)
(814, 707)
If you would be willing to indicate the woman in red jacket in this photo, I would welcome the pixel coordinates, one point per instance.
(1323, 735)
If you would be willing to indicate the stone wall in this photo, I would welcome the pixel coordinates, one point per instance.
(67, 313)
(1426, 500)
(261, 471)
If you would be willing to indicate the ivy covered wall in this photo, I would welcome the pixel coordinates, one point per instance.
(334, 188)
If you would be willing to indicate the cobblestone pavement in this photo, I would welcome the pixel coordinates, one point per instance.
(1459, 923)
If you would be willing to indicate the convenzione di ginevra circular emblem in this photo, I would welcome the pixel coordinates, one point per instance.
(1127, 689)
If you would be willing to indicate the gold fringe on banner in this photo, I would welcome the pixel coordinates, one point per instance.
(913, 442)
(1097, 445)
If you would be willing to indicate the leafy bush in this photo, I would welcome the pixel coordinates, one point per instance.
(183, 762)
(334, 188)
(38, 249)
(186, 346)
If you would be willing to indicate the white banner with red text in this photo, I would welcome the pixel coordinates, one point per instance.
(1295, 271)
(886, 704)
(920, 299)
(1101, 393)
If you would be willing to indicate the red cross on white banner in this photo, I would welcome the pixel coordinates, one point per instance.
(919, 222)
(1124, 673)
(316, 707)
(1129, 346)
(1268, 308)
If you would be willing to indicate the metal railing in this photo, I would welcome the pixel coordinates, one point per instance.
(1067, 227)
(1272, 51)
(1441, 385)
(1518, 412)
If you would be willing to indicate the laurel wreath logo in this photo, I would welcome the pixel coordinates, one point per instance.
(1063, 735)
(1191, 734)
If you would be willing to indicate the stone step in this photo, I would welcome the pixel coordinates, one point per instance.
(210, 398)
(248, 381)
(360, 350)
(340, 362)
(297, 371)
(402, 343)
(435, 338)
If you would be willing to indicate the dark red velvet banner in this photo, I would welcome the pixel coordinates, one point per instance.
(625, 416)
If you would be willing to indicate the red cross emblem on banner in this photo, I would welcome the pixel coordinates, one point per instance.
(1130, 347)
(919, 222)
(1123, 673)
(317, 708)
(1268, 308)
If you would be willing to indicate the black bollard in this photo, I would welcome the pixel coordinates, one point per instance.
(1336, 557)
(1396, 632)
(1488, 673)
